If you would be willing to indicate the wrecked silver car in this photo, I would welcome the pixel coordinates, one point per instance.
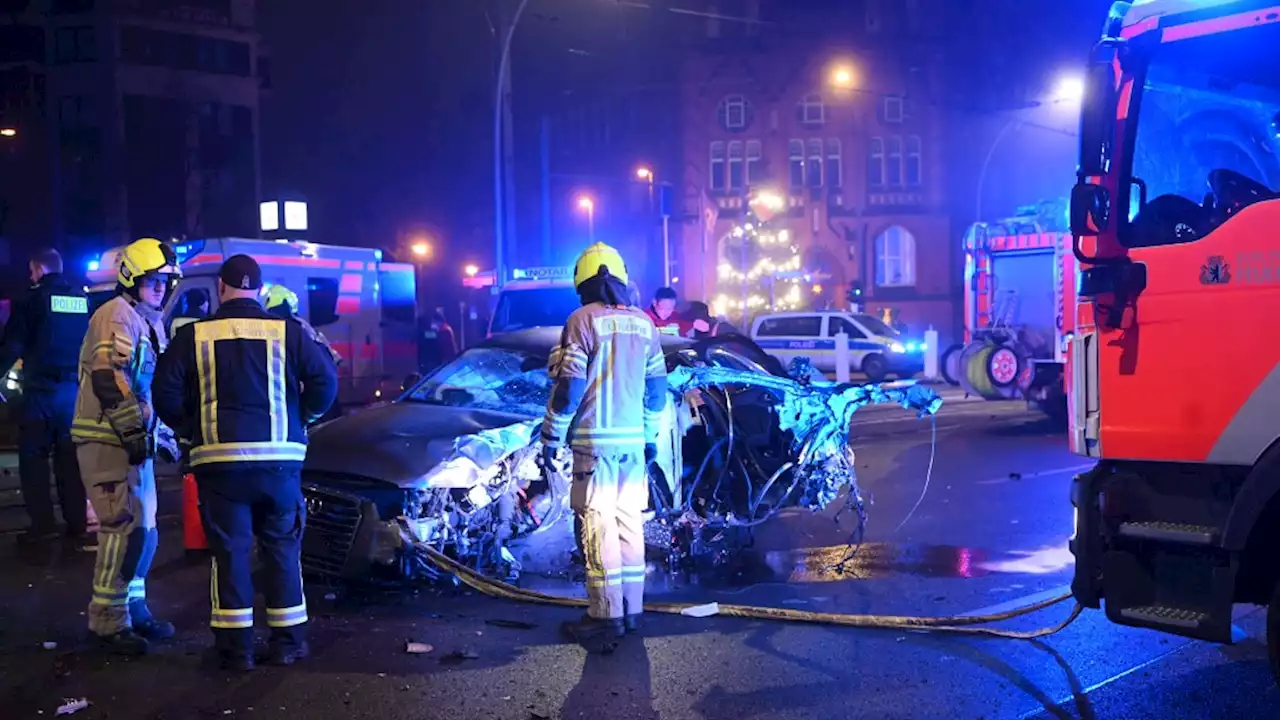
(454, 463)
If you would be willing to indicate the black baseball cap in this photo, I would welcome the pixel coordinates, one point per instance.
(241, 272)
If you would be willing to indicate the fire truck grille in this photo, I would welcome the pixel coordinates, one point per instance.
(333, 519)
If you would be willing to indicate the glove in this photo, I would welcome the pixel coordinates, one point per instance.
(548, 457)
(167, 446)
(650, 453)
(139, 447)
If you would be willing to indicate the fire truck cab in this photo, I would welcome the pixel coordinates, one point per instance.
(367, 308)
(1175, 217)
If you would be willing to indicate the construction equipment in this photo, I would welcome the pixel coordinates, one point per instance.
(1181, 517)
(367, 308)
(1019, 285)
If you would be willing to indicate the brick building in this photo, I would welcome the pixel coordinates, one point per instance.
(128, 118)
(850, 133)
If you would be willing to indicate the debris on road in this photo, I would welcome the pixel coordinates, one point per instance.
(458, 656)
(701, 611)
(71, 706)
(511, 624)
(416, 648)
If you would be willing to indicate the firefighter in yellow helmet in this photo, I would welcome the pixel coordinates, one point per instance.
(283, 302)
(610, 388)
(117, 437)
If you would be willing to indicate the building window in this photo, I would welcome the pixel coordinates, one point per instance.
(735, 165)
(895, 258)
(795, 149)
(915, 166)
(717, 165)
(875, 163)
(811, 110)
(835, 169)
(893, 109)
(755, 163)
(74, 44)
(734, 113)
(813, 164)
(893, 161)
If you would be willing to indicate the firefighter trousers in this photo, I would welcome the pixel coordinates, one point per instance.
(123, 497)
(608, 496)
(45, 420)
(239, 508)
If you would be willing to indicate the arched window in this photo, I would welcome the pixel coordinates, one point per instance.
(735, 165)
(875, 162)
(895, 258)
(813, 168)
(755, 163)
(835, 171)
(795, 150)
(811, 110)
(717, 165)
(915, 167)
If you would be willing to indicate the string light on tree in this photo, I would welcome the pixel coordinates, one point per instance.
(762, 268)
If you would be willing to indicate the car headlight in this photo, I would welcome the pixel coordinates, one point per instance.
(898, 348)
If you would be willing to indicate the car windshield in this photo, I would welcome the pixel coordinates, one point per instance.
(489, 378)
(541, 307)
(874, 326)
(1215, 99)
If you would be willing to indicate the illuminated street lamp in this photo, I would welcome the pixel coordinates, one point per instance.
(644, 173)
(842, 77)
(471, 270)
(421, 249)
(8, 132)
(587, 204)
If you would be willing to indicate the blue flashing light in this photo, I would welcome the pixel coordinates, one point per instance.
(377, 255)
(94, 265)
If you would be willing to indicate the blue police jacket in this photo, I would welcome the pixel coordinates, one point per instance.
(45, 332)
(242, 387)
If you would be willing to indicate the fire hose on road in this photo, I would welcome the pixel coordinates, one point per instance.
(955, 624)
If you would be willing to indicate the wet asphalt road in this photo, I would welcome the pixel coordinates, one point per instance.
(990, 534)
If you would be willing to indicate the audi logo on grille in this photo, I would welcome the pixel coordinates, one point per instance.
(314, 505)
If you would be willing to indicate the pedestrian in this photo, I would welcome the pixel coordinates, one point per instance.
(446, 338)
(45, 333)
(117, 439)
(610, 388)
(241, 387)
(662, 311)
(283, 302)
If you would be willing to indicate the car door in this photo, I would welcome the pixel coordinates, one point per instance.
(860, 345)
(788, 337)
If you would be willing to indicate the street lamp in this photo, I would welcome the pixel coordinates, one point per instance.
(8, 132)
(471, 270)
(645, 174)
(589, 205)
(842, 76)
(1068, 93)
(421, 249)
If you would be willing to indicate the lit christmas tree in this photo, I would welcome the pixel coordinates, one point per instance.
(761, 269)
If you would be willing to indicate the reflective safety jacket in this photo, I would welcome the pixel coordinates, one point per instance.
(117, 362)
(610, 382)
(242, 385)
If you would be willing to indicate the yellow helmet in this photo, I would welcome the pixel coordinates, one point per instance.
(278, 295)
(596, 258)
(147, 256)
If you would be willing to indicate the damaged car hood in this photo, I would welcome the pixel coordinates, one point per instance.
(397, 443)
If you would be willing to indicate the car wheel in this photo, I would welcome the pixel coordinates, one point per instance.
(950, 365)
(875, 368)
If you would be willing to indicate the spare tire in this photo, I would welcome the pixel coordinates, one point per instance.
(1003, 366)
(949, 364)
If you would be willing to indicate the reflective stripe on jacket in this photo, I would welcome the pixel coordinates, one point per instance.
(117, 361)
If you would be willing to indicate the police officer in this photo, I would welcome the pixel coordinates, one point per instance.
(283, 302)
(45, 333)
(241, 386)
(610, 388)
(117, 438)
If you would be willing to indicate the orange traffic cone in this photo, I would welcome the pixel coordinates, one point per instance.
(192, 527)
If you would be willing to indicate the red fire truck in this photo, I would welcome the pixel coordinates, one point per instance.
(366, 307)
(1019, 285)
(1173, 375)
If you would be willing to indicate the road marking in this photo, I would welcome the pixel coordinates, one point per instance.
(1015, 603)
(1039, 474)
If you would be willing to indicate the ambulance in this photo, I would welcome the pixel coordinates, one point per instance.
(367, 308)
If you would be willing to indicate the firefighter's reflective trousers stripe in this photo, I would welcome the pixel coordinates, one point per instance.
(124, 499)
(233, 504)
(609, 495)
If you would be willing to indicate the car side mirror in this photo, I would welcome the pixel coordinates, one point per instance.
(1090, 209)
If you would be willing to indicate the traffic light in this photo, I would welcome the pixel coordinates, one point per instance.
(854, 295)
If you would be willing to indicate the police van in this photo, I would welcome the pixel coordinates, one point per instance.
(367, 308)
(875, 349)
(534, 297)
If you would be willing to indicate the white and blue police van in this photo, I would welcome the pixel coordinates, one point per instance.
(875, 349)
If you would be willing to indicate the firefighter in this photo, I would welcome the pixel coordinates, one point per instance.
(240, 387)
(117, 437)
(45, 333)
(283, 302)
(610, 387)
